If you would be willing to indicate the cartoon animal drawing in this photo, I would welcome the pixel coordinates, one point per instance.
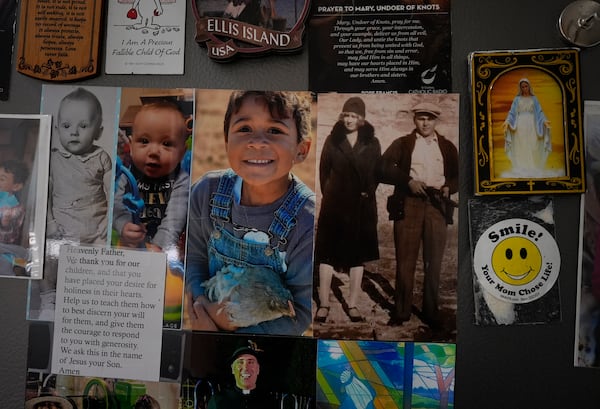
(146, 10)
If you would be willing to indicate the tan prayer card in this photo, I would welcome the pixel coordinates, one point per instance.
(59, 40)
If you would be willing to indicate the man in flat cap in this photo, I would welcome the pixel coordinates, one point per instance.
(423, 167)
(245, 367)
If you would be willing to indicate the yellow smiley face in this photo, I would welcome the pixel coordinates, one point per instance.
(516, 261)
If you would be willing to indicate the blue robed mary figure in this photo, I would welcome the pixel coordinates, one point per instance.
(526, 129)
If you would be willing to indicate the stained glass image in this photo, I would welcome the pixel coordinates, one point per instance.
(371, 374)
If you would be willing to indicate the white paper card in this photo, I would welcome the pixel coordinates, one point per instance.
(109, 306)
(145, 37)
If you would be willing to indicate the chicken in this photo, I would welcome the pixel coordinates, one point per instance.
(250, 295)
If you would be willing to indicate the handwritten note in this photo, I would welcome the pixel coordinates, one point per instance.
(109, 305)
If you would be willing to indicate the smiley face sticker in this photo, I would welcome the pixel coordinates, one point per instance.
(516, 260)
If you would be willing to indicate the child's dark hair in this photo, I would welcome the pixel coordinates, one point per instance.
(16, 168)
(82, 94)
(281, 104)
(146, 402)
(167, 105)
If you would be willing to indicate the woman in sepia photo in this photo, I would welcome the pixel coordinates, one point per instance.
(347, 225)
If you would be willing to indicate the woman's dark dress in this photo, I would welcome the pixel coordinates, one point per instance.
(347, 225)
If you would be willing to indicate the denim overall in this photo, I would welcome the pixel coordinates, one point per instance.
(226, 249)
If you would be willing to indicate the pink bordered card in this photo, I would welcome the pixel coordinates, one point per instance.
(145, 37)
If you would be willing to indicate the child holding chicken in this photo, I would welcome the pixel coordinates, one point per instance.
(250, 235)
